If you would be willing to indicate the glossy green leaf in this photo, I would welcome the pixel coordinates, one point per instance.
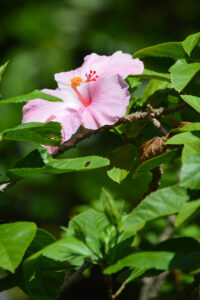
(190, 175)
(2, 69)
(151, 260)
(173, 50)
(117, 174)
(176, 253)
(122, 160)
(14, 241)
(188, 127)
(190, 42)
(151, 74)
(64, 250)
(35, 163)
(184, 138)
(30, 96)
(44, 271)
(192, 101)
(42, 239)
(154, 162)
(163, 202)
(119, 246)
(65, 165)
(40, 133)
(137, 272)
(182, 73)
(88, 227)
(109, 207)
(133, 82)
(152, 87)
(187, 211)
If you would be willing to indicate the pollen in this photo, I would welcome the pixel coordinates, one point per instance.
(76, 81)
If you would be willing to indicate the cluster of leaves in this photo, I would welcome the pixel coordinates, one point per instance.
(110, 237)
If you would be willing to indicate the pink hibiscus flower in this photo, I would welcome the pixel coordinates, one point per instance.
(93, 95)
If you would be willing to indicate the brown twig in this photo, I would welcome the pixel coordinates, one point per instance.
(155, 113)
(155, 121)
(76, 276)
(108, 282)
(118, 292)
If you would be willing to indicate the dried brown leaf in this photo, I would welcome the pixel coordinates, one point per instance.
(153, 148)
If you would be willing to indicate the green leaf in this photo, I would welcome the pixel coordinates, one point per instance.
(172, 50)
(133, 82)
(41, 133)
(151, 260)
(188, 127)
(152, 87)
(42, 239)
(190, 42)
(30, 96)
(66, 165)
(40, 162)
(182, 73)
(150, 74)
(163, 202)
(14, 241)
(192, 101)
(88, 227)
(2, 69)
(184, 138)
(175, 253)
(109, 207)
(154, 162)
(117, 174)
(137, 272)
(120, 247)
(64, 250)
(122, 159)
(190, 175)
(45, 270)
(187, 211)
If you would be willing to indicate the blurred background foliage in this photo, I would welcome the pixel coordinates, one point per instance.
(41, 38)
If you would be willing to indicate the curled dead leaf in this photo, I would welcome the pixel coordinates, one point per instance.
(153, 148)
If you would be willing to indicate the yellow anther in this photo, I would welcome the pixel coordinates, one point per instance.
(76, 81)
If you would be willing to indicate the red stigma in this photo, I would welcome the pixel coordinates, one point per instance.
(91, 76)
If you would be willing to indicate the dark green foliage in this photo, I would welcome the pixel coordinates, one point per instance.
(114, 234)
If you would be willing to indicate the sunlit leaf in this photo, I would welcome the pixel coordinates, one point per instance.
(190, 42)
(36, 94)
(182, 73)
(187, 211)
(163, 202)
(40, 133)
(192, 101)
(14, 241)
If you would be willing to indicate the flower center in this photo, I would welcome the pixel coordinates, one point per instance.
(77, 81)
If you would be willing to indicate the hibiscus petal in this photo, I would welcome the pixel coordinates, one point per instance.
(70, 124)
(119, 63)
(63, 78)
(66, 113)
(110, 98)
